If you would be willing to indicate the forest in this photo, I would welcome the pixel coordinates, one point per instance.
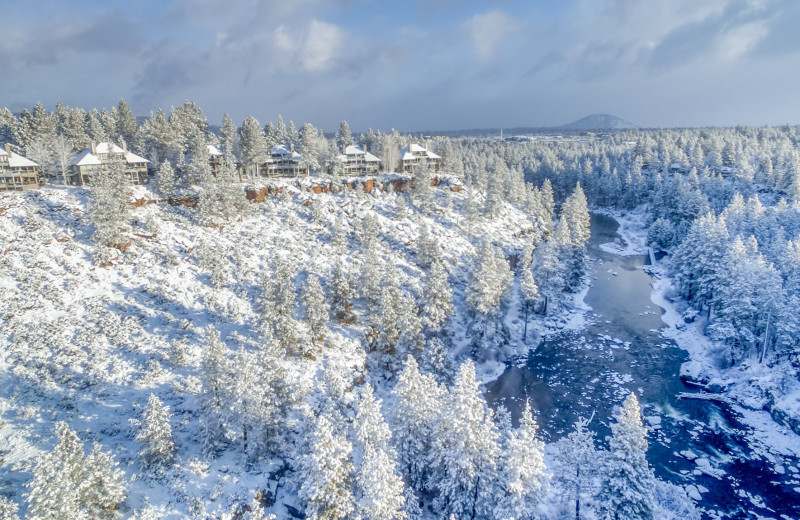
(178, 350)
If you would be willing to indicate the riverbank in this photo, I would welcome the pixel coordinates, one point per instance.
(766, 398)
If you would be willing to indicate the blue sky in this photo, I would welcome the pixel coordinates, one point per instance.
(412, 65)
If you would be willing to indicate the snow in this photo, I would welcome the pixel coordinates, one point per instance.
(98, 339)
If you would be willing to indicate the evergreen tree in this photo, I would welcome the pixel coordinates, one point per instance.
(215, 377)
(125, 122)
(67, 485)
(343, 292)
(529, 293)
(627, 480)
(313, 300)
(165, 180)
(523, 476)
(343, 136)
(578, 465)
(437, 304)
(227, 135)
(253, 145)
(379, 488)
(155, 434)
(326, 474)
(309, 146)
(465, 452)
(108, 205)
(414, 419)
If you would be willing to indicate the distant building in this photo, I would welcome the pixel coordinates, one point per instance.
(414, 154)
(215, 158)
(283, 161)
(93, 160)
(16, 172)
(356, 160)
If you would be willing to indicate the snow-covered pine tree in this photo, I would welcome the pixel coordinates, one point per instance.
(166, 183)
(578, 465)
(378, 486)
(414, 418)
(108, 205)
(215, 376)
(8, 508)
(155, 434)
(423, 193)
(343, 136)
(627, 479)
(253, 146)
(465, 452)
(313, 300)
(549, 271)
(67, 485)
(437, 297)
(490, 280)
(529, 294)
(342, 292)
(325, 473)
(522, 470)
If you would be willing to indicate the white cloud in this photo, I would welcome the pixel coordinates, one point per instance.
(738, 41)
(487, 30)
(323, 43)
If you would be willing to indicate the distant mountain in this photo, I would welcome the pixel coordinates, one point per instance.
(599, 122)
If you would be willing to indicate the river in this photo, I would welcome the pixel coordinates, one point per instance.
(692, 442)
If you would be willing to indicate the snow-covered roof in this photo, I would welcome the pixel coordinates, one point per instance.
(285, 150)
(407, 153)
(132, 158)
(85, 158)
(214, 150)
(357, 150)
(108, 148)
(17, 161)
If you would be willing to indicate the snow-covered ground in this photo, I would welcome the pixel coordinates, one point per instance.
(87, 344)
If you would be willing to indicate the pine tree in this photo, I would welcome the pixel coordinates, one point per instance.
(490, 279)
(627, 481)
(108, 205)
(253, 145)
(125, 123)
(465, 452)
(423, 193)
(309, 146)
(155, 434)
(8, 509)
(414, 418)
(326, 474)
(67, 485)
(343, 136)
(529, 293)
(578, 465)
(523, 476)
(343, 292)
(313, 300)
(437, 304)
(215, 377)
(165, 180)
(379, 489)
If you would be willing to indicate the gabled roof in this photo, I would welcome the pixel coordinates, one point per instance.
(285, 150)
(407, 153)
(132, 158)
(214, 150)
(17, 161)
(86, 157)
(357, 150)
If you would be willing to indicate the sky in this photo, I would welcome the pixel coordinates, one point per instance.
(411, 64)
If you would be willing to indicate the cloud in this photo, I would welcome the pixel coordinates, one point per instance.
(322, 45)
(489, 29)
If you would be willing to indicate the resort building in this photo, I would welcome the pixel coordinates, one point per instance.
(356, 160)
(414, 154)
(16, 172)
(93, 160)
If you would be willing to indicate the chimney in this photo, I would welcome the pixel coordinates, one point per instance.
(364, 147)
(8, 150)
(124, 146)
(94, 148)
(291, 147)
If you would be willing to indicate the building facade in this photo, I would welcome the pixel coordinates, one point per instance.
(414, 154)
(17, 173)
(283, 161)
(93, 160)
(355, 160)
